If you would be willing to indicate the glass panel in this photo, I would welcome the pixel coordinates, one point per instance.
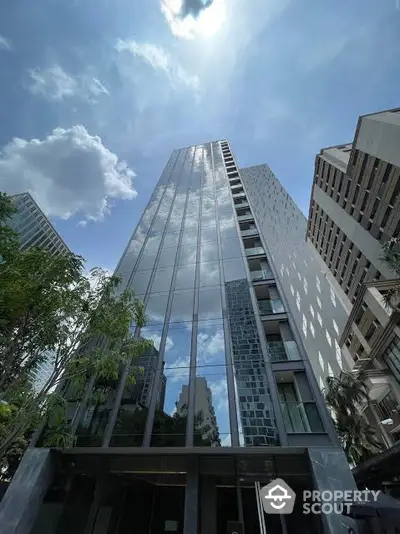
(234, 270)
(231, 249)
(277, 306)
(209, 274)
(208, 252)
(228, 228)
(171, 240)
(182, 306)
(167, 257)
(156, 308)
(153, 242)
(314, 419)
(185, 276)
(208, 219)
(162, 280)
(170, 419)
(132, 415)
(209, 233)
(283, 350)
(141, 281)
(147, 260)
(211, 395)
(189, 237)
(295, 417)
(210, 304)
(187, 255)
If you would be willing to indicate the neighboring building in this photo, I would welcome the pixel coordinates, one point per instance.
(354, 210)
(205, 420)
(217, 306)
(355, 203)
(309, 290)
(33, 227)
(372, 340)
(35, 230)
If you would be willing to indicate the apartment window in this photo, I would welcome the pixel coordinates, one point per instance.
(371, 331)
(392, 358)
(375, 207)
(364, 201)
(362, 170)
(356, 193)
(387, 406)
(396, 192)
(347, 189)
(386, 174)
(386, 217)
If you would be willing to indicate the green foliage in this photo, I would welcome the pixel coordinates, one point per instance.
(345, 395)
(50, 307)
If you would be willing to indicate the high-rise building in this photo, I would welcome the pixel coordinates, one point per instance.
(33, 227)
(355, 203)
(211, 269)
(354, 210)
(35, 230)
(205, 422)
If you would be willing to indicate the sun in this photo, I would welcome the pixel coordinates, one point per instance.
(205, 25)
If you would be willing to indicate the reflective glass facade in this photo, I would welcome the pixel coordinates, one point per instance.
(217, 330)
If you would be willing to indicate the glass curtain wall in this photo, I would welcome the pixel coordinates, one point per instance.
(181, 260)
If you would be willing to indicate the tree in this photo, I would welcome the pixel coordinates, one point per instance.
(344, 395)
(51, 309)
(391, 256)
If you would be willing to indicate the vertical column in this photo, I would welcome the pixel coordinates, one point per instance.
(330, 471)
(191, 497)
(208, 506)
(21, 503)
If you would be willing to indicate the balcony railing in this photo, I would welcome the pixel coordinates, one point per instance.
(264, 274)
(242, 205)
(301, 417)
(282, 351)
(268, 306)
(238, 194)
(246, 217)
(249, 232)
(254, 251)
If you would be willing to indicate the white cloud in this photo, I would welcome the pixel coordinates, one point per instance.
(191, 19)
(69, 172)
(159, 60)
(5, 44)
(208, 346)
(56, 84)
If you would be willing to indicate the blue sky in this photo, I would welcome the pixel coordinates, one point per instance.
(96, 93)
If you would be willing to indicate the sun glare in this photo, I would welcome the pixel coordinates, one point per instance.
(206, 24)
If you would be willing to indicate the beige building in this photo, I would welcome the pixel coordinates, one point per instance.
(371, 339)
(355, 203)
(354, 210)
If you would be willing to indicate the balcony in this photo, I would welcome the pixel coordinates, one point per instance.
(239, 194)
(301, 418)
(249, 232)
(257, 276)
(270, 306)
(246, 217)
(283, 351)
(254, 251)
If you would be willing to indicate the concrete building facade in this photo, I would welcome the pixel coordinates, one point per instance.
(355, 202)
